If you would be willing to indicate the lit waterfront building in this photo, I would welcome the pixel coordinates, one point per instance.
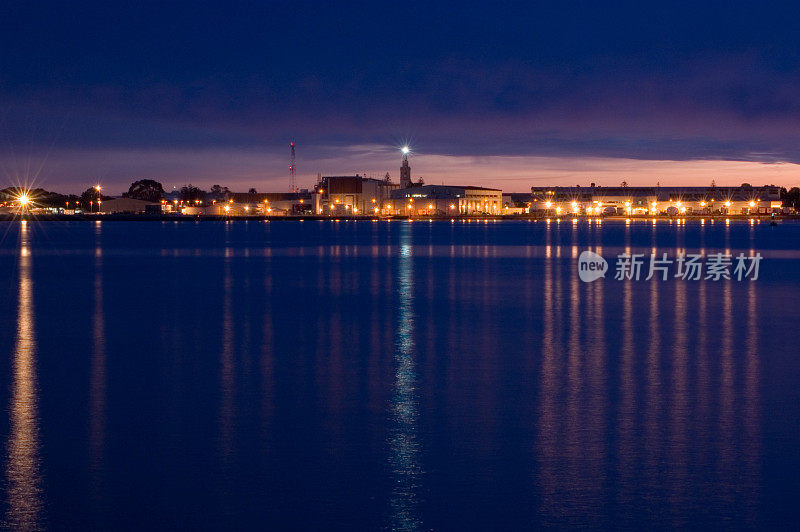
(444, 200)
(595, 200)
(255, 204)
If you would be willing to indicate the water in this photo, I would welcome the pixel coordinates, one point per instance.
(429, 375)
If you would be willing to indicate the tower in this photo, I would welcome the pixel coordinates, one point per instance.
(292, 172)
(405, 169)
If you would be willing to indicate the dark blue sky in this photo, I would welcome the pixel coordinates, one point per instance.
(212, 93)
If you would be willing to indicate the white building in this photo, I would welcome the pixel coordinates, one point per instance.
(444, 200)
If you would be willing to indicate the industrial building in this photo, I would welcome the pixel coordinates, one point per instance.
(349, 195)
(596, 200)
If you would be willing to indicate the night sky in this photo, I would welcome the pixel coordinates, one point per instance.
(502, 94)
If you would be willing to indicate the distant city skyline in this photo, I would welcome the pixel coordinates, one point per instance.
(505, 95)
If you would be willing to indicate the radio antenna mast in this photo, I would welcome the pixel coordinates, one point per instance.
(292, 171)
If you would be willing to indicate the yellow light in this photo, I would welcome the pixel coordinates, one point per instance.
(373, 200)
(301, 200)
(752, 204)
(355, 209)
(452, 206)
(702, 203)
(97, 187)
(430, 206)
(24, 200)
(558, 210)
(654, 204)
(678, 204)
(269, 210)
(376, 210)
(336, 200)
(388, 206)
(227, 208)
(627, 203)
(727, 203)
(547, 204)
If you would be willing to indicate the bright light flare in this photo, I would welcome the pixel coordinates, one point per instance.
(405, 150)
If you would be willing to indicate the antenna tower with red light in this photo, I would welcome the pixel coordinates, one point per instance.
(292, 171)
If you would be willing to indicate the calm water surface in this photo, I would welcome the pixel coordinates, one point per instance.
(425, 375)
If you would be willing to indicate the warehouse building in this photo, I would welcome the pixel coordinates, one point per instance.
(595, 200)
(128, 206)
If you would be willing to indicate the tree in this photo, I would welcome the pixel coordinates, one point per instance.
(145, 189)
(624, 184)
(90, 199)
(192, 193)
(219, 193)
(251, 191)
(791, 198)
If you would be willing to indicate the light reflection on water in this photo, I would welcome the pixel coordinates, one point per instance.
(23, 473)
(97, 380)
(404, 403)
(402, 376)
(660, 423)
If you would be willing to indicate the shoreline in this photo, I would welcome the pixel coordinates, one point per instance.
(217, 218)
